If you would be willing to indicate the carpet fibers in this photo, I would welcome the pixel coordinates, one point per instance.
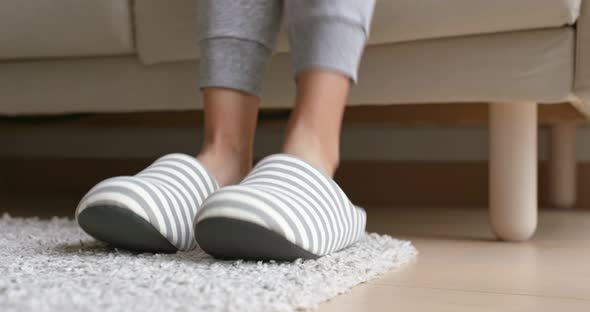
(51, 265)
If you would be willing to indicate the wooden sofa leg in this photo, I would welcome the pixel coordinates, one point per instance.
(562, 165)
(513, 170)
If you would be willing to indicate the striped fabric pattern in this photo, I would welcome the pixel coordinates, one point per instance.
(167, 194)
(294, 199)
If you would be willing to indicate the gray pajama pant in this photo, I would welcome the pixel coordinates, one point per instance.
(238, 36)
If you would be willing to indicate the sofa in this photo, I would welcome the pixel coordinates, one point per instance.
(72, 56)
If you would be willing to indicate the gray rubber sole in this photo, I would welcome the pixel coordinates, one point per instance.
(227, 238)
(123, 229)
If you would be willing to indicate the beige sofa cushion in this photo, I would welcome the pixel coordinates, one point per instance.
(167, 30)
(60, 28)
(515, 66)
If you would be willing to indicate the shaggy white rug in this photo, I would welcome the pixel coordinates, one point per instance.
(51, 265)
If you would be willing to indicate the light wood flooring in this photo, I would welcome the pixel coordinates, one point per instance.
(462, 268)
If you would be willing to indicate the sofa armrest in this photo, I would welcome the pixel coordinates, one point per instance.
(582, 71)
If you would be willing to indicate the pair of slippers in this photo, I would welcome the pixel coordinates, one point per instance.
(285, 209)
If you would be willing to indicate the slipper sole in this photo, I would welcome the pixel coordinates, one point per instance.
(233, 239)
(124, 229)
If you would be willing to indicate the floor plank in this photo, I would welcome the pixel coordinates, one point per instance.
(376, 298)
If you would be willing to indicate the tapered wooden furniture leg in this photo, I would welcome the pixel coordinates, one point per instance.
(562, 165)
(513, 170)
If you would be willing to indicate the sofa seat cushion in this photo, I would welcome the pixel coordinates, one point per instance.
(536, 65)
(63, 28)
(168, 31)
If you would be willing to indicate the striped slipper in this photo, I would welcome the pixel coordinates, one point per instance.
(284, 209)
(152, 211)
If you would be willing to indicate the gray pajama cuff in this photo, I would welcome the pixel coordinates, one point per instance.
(233, 63)
(330, 43)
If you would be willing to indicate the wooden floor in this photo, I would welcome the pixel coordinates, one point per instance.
(460, 266)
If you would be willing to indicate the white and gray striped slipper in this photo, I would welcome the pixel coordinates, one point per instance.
(152, 211)
(284, 209)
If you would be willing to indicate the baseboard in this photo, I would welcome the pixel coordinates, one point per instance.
(440, 114)
(371, 183)
(436, 184)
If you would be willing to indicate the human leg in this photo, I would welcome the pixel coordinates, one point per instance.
(154, 210)
(288, 206)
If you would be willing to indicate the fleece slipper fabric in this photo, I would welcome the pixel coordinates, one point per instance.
(152, 211)
(284, 209)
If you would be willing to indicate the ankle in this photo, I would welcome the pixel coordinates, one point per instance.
(228, 164)
(320, 151)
